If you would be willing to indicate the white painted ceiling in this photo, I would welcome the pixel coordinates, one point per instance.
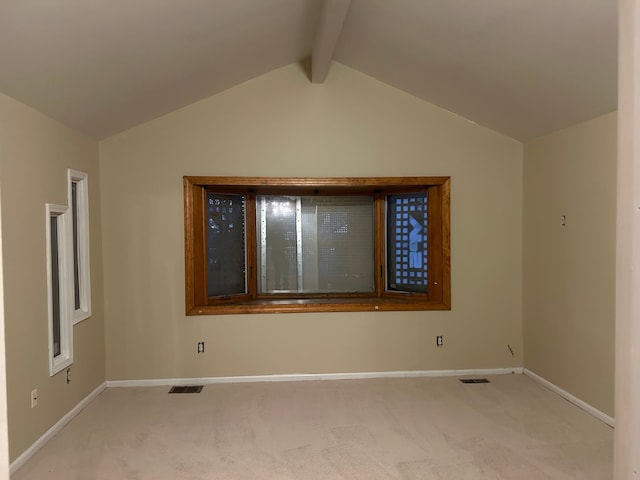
(521, 67)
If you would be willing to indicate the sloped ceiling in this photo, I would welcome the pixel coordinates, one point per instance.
(521, 67)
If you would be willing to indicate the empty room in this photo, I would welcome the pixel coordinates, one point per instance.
(318, 239)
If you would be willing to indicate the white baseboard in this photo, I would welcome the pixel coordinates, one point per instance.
(573, 399)
(297, 377)
(49, 434)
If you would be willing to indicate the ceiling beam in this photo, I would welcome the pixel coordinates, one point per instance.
(328, 33)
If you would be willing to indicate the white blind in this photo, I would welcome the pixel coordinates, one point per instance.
(315, 244)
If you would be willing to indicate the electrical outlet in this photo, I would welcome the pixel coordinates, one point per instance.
(69, 375)
(200, 347)
(34, 398)
(439, 341)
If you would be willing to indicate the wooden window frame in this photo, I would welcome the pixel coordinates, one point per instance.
(439, 291)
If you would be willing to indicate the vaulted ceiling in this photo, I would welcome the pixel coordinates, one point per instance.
(521, 67)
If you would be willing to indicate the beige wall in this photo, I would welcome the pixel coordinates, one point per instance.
(569, 272)
(35, 153)
(282, 125)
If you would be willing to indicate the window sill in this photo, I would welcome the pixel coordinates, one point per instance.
(374, 304)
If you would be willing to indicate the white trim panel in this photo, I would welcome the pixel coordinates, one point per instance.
(571, 398)
(297, 377)
(49, 434)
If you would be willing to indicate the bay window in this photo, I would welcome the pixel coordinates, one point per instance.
(316, 244)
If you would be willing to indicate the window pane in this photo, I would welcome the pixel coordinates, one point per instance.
(55, 286)
(315, 244)
(345, 244)
(278, 240)
(76, 256)
(407, 242)
(225, 227)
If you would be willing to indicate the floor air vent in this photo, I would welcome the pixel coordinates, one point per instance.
(474, 380)
(190, 389)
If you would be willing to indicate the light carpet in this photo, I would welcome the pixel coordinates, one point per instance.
(375, 429)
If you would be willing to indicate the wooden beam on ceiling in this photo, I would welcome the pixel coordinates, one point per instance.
(328, 33)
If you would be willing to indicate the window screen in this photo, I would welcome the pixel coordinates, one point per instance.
(315, 244)
(225, 239)
(407, 242)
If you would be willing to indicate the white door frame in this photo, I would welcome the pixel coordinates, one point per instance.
(627, 404)
(4, 436)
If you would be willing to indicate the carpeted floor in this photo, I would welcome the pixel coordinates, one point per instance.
(405, 428)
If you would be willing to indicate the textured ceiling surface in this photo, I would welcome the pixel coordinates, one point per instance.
(521, 67)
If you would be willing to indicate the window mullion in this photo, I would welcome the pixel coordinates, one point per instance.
(251, 241)
(379, 246)
(435, 245)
